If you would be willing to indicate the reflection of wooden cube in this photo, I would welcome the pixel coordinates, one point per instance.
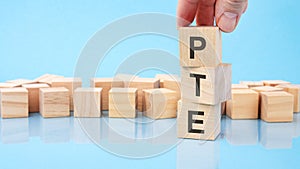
(122, 102)
(244, 104)
(141, 84)
(275, 82)
(277, 106)
(33, 95)
(252, 83)
(54, 102)
(87, 102)
(14, 102)
(106, 84)
(69, 83)
(160, 103)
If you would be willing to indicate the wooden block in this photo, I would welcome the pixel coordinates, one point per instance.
(20, 82)
(106, 84)
(125, 78)
(47, 78)
(54, 102)
(277, 106)
(223, 108)
(275, 82)
(251, 84)
(141, 84)
(8, 85)
(33, 95)
(163, 77)
(14, 102)
(244, 104)
(295, 91)
(87, 102)
(239, 86)
(206, 85)
(200, 46)
(69, 83)
(160, 103)
(199, 121)
(173, 84)
(122, 102)
(267, 89)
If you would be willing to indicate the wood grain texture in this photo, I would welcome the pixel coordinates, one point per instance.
(54, 102)
(209, 56)
(87, 102)
(14, 102)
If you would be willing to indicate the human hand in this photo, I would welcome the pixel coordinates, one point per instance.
(227, 13)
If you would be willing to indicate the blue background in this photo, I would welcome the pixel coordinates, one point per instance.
(41, 36)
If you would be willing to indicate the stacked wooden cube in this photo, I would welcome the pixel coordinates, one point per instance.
(205, 83)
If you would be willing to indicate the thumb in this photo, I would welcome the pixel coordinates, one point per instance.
(229, 12)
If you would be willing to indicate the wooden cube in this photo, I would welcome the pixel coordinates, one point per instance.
(106, 84)
(141, 84)
(33, 95)
(47, 78)
(266, 89)
(8, 85)
(244, 104)
(20, 82)
(206, 85)
(160, 103)
(54, 102)
(69, 83)
(199, 121)
(125, 78)
(200, 46)
(173, 84)
(295, 91)
(122, 102)
(251, 84)
(87, 102)
(239, 86)
(275, 82)
(277, 106)
(163, 77)
(14, 102)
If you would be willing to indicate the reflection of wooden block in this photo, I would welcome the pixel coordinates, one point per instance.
(199, 121)
(163, 77)
(14, 102)
(122, 102)
(33, 95)
(239, 86)
(252, 83)
(295, 91)
(277, 106)
(106, 84)
(47, 78)
(206, 85)
(54, 102)
(200, 46)
(7, 85)
(87, 102)
(275, 82)
(160, 103)
(70, 83)
(20, 82)
(141, 84)
(244, 104)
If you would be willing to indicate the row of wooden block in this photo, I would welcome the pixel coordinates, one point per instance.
(272, 101)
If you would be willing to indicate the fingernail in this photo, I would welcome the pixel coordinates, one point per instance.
(228, 21)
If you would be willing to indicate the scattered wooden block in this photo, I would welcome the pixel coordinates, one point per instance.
(141, 84)
(125, 78)
(106, 84)
(20, 82)
(163, 77)
(267, 89)
(7, 85)
(160, 103)
(244, 104)
(54, 102)
(206, 85)
(173, 84)
(69, 83)
(14, 102)
(275, 82)
(200, 46)
(251, 84)
(277, 106)
(33, 95)
(87, 102)
(295, 91)
(47, 78)
(239, 86)
(199, 121)
(122, 102)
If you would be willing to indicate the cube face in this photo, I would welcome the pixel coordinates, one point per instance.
(251, 84)
(160, 103)
(163, 77)
(69, 83)
(295, 91)
(122, 102)
(87, 102)
(200, 46)
(173, 84)
(244, 104)
(47, 78)
(275, 82)
(14, 103)
(277, 107)
(106, 84)
(199, 121)
(239, 86)
(33, 95)
(54, 102)
(20, 82)
(206, 85)
(266, 89)
(8, 85)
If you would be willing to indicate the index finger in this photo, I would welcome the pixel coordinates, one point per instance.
(186, 11)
